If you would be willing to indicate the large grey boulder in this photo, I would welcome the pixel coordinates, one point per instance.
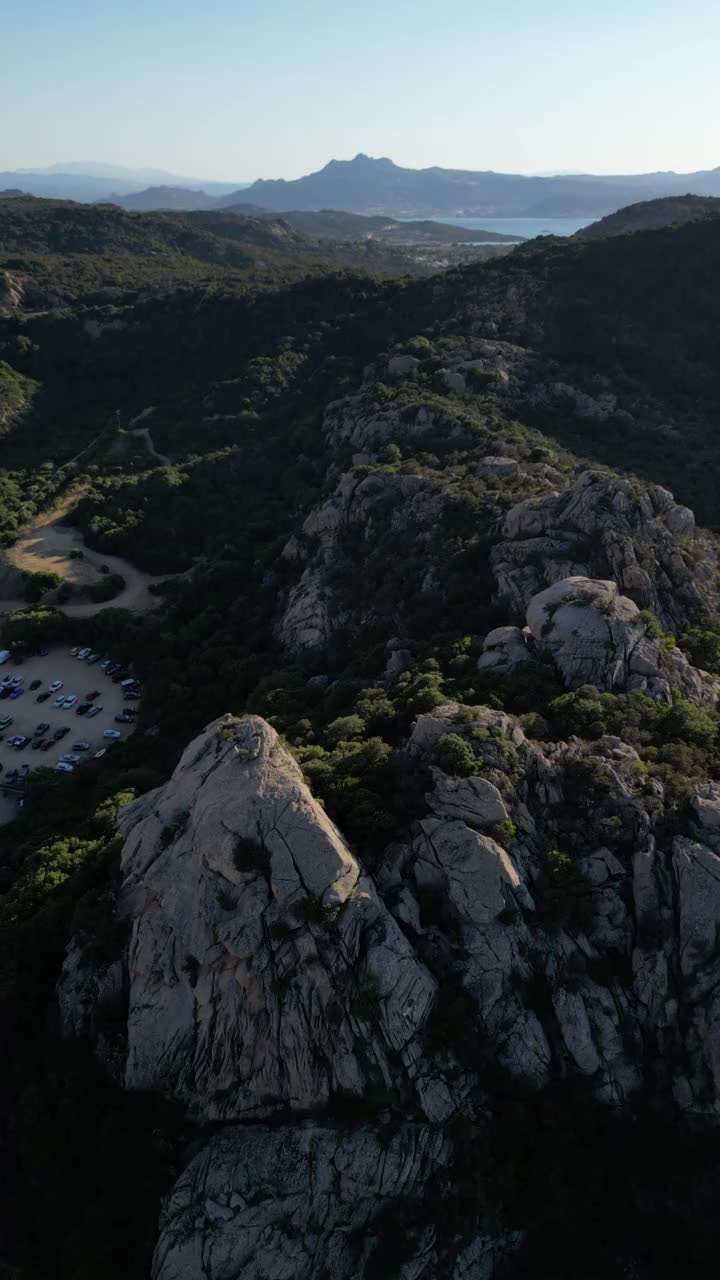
(504, 648)
(596, 636)
(264, 970)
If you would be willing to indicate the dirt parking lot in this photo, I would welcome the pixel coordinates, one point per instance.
(78, 679)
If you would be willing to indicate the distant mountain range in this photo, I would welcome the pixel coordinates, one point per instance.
(365, 185)
(94, 180)
(371, 186)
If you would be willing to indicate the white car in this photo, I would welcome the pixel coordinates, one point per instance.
(112, 733)
(56, 684)
(59, 702)
(63, 767)
(84, 653)
(69, 758)
(70, 700)
(99, 754)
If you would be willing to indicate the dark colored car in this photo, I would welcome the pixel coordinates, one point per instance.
(36, 684)
(82, 709)
(42, 697)
(60, 733)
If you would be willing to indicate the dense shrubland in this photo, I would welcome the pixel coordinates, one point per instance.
(240, 381)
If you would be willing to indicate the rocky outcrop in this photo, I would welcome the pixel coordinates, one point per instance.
(613, 529)
(504, 648)
(536, 919)
(312, 1202)
(260, 953)
(597, 636)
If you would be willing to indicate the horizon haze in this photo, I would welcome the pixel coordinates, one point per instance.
(233, 96)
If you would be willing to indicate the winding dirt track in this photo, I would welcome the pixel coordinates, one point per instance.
(144, 434)
(46, 548)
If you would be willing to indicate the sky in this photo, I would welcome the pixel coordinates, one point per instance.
(241, 89)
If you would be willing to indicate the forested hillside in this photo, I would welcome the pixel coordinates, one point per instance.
(434, 585)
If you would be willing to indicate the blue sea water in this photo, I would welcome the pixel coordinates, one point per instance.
(523, 228)
(527, 228)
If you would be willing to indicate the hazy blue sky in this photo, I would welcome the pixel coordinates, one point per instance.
(238, 89)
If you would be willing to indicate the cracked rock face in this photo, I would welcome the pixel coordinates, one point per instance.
(595, 636)
(605, 526)
(260, 954)
(269, 974)
(246, 1207)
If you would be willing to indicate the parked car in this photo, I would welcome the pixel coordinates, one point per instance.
(40, 728)
(60, 733)
(74, 652)
(11, 776)
(94, 657)
(123, 719)
(16, 693)
(5, 692)
(62, 766)
(5, 721)
(59, 702)
(84, 653)
(94, 711)
(56, 684)
(36, 684)
(70, 700)
(81, 746)
(92, 695)
(82, 709)
(133, 695)
(25, 772)
(69, 758)
(21, 743)
(112, 733)
(99, 754)
(42, 697)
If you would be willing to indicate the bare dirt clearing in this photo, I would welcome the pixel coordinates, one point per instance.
(47, 547)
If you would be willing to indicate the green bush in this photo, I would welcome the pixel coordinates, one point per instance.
(36, 584)
(702, 647)
(454, 755)
(110, 587)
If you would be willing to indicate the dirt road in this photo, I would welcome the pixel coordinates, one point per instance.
(47, 547)
(143, 433)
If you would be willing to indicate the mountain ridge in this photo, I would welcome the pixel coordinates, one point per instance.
(377, 185)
